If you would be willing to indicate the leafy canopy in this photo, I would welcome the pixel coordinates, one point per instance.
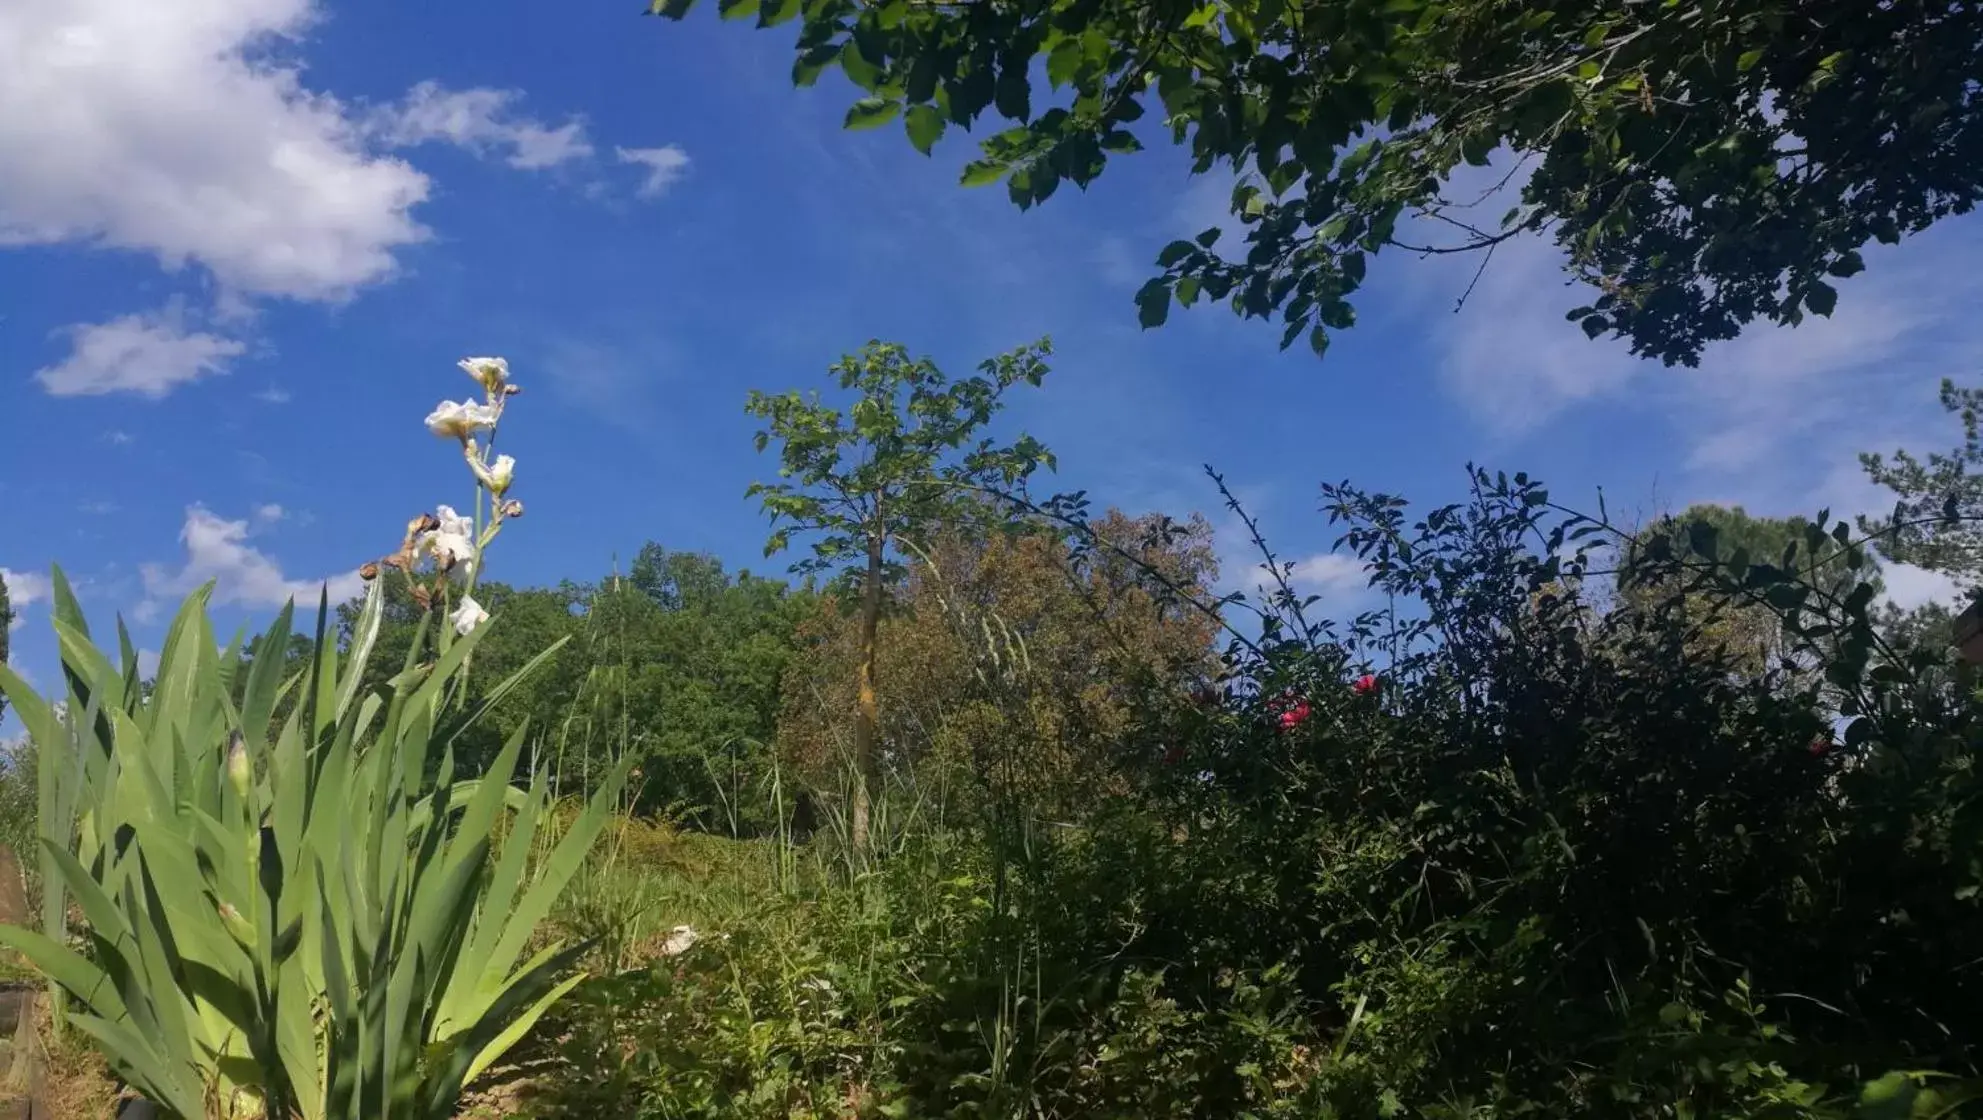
(898, 459)
(1703, 165)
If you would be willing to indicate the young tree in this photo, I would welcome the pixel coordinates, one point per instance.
(903, 459)
(1703, 165)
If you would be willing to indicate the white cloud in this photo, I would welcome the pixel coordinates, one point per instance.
(1120, 263)
(116, 437)
(1508, 354)
(145, 354)
(269, 512)
(23, 588)
(1872, 365)
(1772, 419)
(1908, 587)
(664, 166)
(480, 120)
(1332, 575)
(218, 550)
(1503, 348)
(614, 377)
(1340, 580)
(171, 129)
(1205, 202)
(274, 394)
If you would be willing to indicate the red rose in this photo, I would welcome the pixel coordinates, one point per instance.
(1173, 756)
(1364, 685)
(1293, 716)
(1821, 745)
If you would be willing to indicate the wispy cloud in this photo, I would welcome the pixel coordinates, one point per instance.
(1503, 348)
(1899, 328)
(1759, 419)
(148, 355)
(615, 382)
(1205, 202)
(664, 166)
(1339, 580)
(479, 120)
(1508, 355)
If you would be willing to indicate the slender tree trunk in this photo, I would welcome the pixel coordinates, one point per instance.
(867, 719)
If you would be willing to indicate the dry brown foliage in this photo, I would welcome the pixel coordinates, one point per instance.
(1015, 660)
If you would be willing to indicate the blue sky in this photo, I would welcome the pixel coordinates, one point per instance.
(244, 241)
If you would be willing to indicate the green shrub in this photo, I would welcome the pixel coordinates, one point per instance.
(1504, 850)
(1558, 859)
(908, 992)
